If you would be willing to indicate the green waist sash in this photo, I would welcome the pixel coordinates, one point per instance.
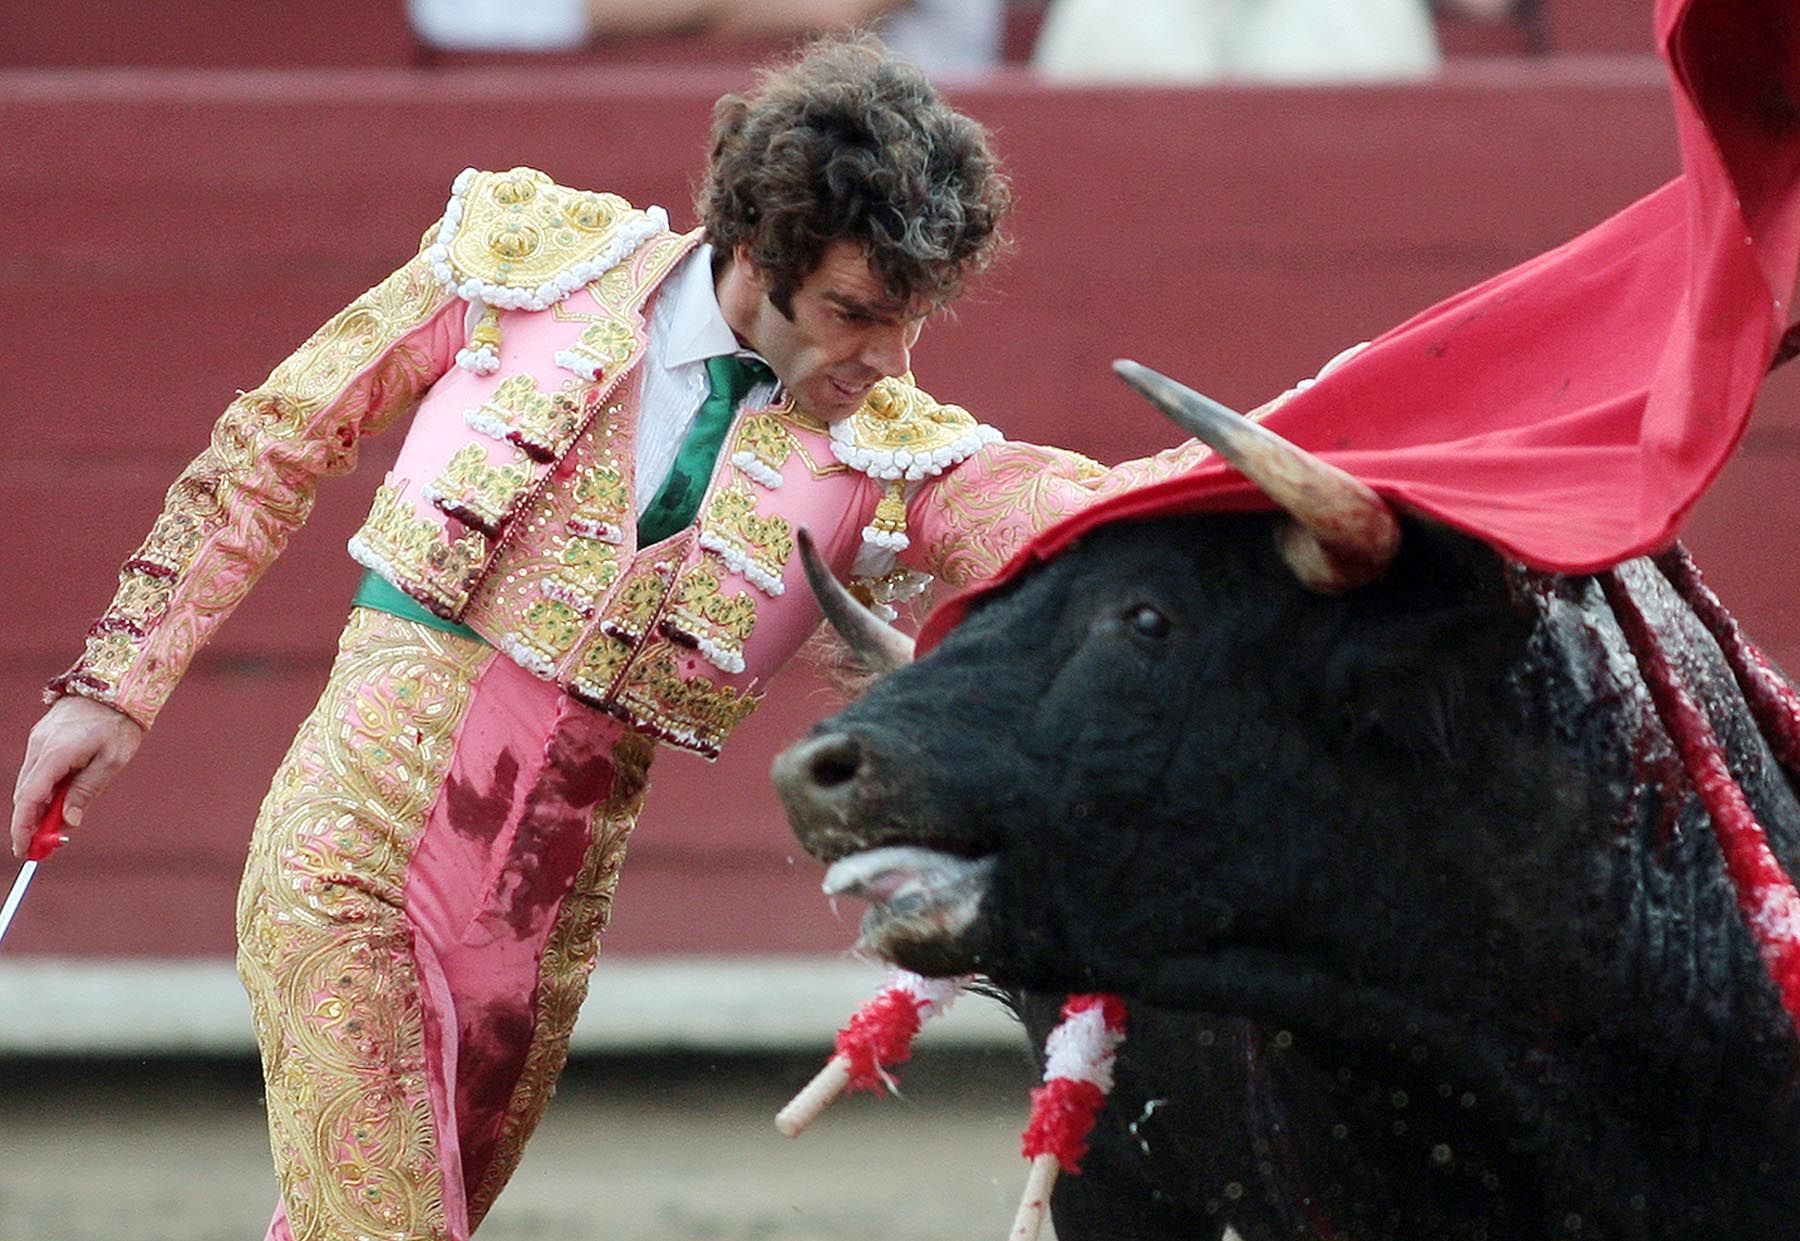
(375, 591)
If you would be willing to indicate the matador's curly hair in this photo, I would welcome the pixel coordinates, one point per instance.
(848, 142)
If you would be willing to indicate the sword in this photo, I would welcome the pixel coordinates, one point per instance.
(44, 841)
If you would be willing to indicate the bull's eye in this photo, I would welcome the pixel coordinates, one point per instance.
(1147, 622)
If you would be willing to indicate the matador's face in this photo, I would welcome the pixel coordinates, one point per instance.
(845, 333)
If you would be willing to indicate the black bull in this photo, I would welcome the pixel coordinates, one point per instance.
(1422, 926)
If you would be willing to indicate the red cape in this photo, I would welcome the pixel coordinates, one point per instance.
(1571, 411)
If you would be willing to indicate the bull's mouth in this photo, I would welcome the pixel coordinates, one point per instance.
(921, 902)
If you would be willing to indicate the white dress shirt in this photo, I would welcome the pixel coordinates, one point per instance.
(686, 328)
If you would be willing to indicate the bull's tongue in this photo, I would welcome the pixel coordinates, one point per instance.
(913, 893)
(878, 875)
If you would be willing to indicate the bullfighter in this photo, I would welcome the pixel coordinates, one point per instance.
(584, 550)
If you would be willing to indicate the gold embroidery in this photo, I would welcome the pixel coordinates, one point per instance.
(993, 512)
(995, 517)
(601, 663)
(518, 185)
(512, 240)
(411, 552)
(899, 417)
(171, 544)
(692, 712)
(108, 656)
(605, 425)
(548, 631)
(584, 569)
(603, 347)
(449, 575)
(634, 605)
(543, 426)
(397, 534)
(140, 602)
(324, 950)
(559, 546)
(791, 418)
(601, 499)
(758, 547)
(479, 493)
(615, 287)
(890, 510)
(484, 337)
(637, 604)
(241, 498)
(519, 241)
(701, 615)
(520, 229)
(591, 212)
(763, 440)
(626, 286)
(792, 415)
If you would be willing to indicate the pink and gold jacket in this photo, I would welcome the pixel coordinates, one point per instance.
(515, 334)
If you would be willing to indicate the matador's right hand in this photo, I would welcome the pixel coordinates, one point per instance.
(77, 737)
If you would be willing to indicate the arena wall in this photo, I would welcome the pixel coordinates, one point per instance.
(170, 234)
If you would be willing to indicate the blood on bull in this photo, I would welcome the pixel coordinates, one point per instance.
(1435, 821)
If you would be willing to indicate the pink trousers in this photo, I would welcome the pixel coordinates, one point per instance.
(422, 904)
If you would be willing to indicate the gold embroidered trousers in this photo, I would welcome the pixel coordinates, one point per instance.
(425, 891)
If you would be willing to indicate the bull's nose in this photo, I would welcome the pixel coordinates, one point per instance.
(833, 760)
(819, 765)
(817, 780)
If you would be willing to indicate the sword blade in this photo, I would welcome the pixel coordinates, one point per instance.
(15, 896)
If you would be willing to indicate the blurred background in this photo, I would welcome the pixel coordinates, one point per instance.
(188, 189)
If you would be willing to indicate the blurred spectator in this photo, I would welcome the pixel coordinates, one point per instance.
(937, 35)
(1260, 40)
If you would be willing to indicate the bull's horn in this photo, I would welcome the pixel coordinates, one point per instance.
(879, 646)
(1343, 534)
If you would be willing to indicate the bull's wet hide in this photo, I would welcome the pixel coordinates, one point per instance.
(1425, 927)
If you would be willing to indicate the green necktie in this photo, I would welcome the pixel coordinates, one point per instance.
(678, 499)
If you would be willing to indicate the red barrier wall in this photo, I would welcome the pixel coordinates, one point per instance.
(236, 34)
(170, 235)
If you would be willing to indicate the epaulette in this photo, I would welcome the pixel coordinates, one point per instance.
(517, 240)
(901, 435)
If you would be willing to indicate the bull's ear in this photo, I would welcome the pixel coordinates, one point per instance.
(1342, 536)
